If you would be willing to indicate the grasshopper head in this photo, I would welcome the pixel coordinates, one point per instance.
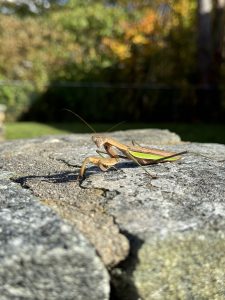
(99, 140)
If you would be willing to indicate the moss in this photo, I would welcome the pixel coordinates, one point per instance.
(181, 266)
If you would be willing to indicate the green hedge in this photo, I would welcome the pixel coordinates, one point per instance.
(18, 99)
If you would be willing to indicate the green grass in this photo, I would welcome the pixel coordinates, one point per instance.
(208, 133)
(25, 130)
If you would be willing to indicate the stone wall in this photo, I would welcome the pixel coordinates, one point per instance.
(152, 238)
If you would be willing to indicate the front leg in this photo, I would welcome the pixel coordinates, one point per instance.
(102, 162)
(118, 156)
(111, 151)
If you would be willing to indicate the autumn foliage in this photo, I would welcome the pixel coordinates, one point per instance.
(150, 46)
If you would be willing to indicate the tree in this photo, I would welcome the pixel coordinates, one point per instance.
(205, 40)
(210, 42)
(219, 38)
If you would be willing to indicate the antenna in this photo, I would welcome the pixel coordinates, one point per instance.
(79, 117)
(114, 126)
(88, 125)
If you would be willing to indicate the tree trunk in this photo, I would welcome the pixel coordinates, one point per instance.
(204, 41)
(218, 33)
(210, 42)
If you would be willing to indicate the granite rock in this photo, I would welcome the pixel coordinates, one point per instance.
(161, 238)
(42, 257)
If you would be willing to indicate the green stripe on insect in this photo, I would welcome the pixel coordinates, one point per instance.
(151, 156)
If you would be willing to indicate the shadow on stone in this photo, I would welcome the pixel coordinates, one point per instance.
(119, 166)
(54, 178)
(122, 285)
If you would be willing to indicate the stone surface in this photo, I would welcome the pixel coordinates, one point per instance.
(41, 257)
(174, 225)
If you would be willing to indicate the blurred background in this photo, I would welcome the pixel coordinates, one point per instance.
(151, 63)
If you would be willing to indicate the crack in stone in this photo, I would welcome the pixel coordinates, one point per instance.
(89, 216)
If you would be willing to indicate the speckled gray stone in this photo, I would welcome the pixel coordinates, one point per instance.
(41, 257)
(174, 225)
